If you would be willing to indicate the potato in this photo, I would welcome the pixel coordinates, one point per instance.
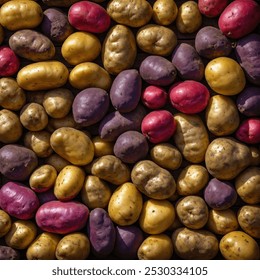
(43, 178)
(156, 216)
(189, 18)
(247, 185)
(89, 74)
(212, 8)
(119, 49)
(192, 179)
(134, 14)
(166, 155)
(12, 97)
(248, 101)
(73, 246)
(156, 39)
(195, 244)
(222, 222)
(237, 245)
(192, 211)
(80, 47)
(102, 147)
(57, 102)
(10, 62)
(43, 247)
(191, 137)
(46, 196)
(110, 169)
(156, 247)
(154, 97)
(229, 121)
(153, 180)
(43, 75)
(10, 127)
(5, 223)
(164, 12)
(39, 142)
(255, 156)
(21, 234)
(57, 162)
(56, 123)
(248, 131)
(95, 192)
(20, 14)
(69, 182)
(125, 204)
(33, 117)
(73, 145)
(8, 253)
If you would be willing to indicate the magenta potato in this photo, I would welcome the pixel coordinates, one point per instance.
(248, 101)
(249, 131)
(154, 97)
(9, 62)
(212, 8)
(8, 253)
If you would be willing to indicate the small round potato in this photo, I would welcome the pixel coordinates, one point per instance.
(192, 179)
(192, 211)
(156, 247)
(5, 223)
(73, 246)
(164, 11)
(101, 147)
(238, 245)
(57, 162)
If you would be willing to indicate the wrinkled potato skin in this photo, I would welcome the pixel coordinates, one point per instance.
(5, 223)
(74, 246)
(101, 147)
(166, 155)
(238, 245)
(192, 179)
(155, 39)
(156, 247)
(191, 137)
(195, 244)
(146, 174)
(133, 13)
(119, 49)
(164, 12)
(225, 107)
(57, 162)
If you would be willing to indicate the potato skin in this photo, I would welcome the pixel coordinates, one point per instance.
(5, 223)
(248, 101)
(8, 253)
(102, 147)
(57, 162)
(164, 12)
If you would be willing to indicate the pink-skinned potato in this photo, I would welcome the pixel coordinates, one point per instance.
(212, 8)
(249, 131)
(9, 62)
(154, 97)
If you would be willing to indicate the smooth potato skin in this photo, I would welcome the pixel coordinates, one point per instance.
(5, 223)
(248, 102)
(164, 12)
(8, 253)
(102, 147)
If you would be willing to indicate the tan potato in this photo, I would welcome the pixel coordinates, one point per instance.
(57, 162)
(164, 12)
(156, 216)
(152, 180)
(73, 145)
(5, 223)
(255, 155)
(95, 192)
(133, 13)
(247, 185)
(12, 97)
(119, 49)
(21, 234)
(10, 127)
(73, 246)
(195, 244)
(222, 222)
(156, 39)
(125, 204)
(43, 247)
(192, 179)
(35, 97)
(39, 142)
(69, 182)
(156, 247)
(237, 245)
(166, 156)
(225, 107)
(67, 121)
(191, 137)
(110, 169)
(249, 219)
(189, 18)
(101, 147)
(43, 178)
(192, 211)
(57, 102)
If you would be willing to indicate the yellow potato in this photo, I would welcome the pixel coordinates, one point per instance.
(5, 223)
(67, 121)
(101, 147)
(164, 11)
(57, 162)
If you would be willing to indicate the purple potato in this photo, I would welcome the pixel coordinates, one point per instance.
(126, 90)
(8, 253)
(248, 102)
(46, 196)
(188, 62)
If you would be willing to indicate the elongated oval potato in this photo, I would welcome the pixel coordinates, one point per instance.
(43, 75)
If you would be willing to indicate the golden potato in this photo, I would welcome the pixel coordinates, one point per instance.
(57, 162)
(101, 147)
(5, 223)
(67, 121)
(164, 11)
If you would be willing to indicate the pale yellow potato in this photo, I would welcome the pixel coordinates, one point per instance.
(164, 11)
(101, 147)
(5, 223)
(57, 162)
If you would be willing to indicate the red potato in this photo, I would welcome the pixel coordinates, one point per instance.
(249, 131)
(9, 62)
(239, 18)
(154, 97)
(158, 126)
(212, 8)
(89, 16)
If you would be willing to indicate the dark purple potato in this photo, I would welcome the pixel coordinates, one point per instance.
(126, 90)
(157, 70)
(210, 43)
(131, 146)
(46, 196)
(220, 195)
(128, 240)
(248, 102)
(188, 62)
(90, 106)
(101, 232)
(8, 253)
(17, 162)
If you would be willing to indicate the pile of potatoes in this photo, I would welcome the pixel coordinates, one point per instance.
(129, 129)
